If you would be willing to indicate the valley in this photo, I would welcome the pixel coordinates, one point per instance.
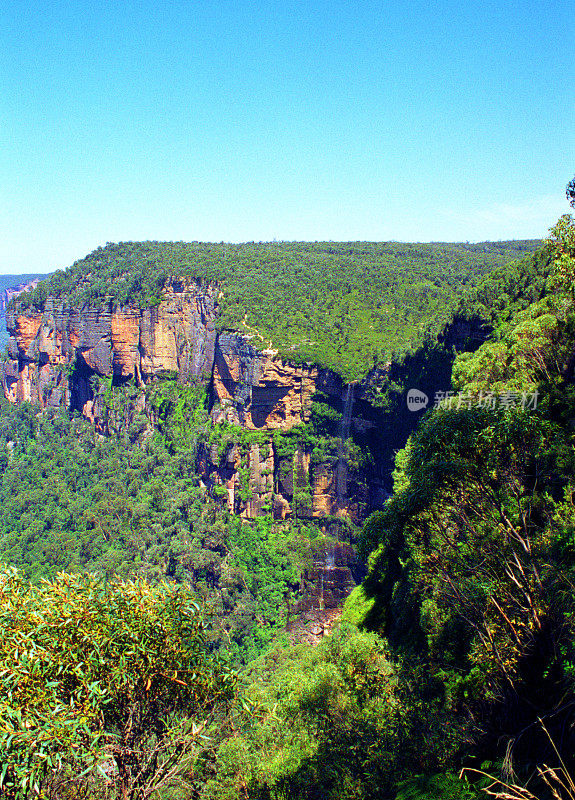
(175, 422)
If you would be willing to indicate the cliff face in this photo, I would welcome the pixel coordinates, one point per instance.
(256, 389)
(9, 293)
(57, 352)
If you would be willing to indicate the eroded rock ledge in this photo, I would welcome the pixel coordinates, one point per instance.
(54, 351)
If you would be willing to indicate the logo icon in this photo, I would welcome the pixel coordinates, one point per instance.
(416, 400)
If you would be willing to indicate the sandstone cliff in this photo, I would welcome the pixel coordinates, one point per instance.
(64, 356)
(60, 355)
(12, 287)
(57, 352)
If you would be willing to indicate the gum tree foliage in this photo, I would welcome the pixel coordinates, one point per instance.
(343, 305)
(102, 685)
(321, 722)
(472, 563)
(570, 192)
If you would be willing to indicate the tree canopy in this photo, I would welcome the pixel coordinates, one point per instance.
(342, 305)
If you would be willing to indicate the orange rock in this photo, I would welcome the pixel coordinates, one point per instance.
(25, 330)
(125, 333)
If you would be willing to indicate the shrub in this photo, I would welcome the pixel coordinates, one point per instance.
(97, 678)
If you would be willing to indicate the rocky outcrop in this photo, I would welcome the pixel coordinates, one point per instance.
(256, 389)
(57, 352)
(311, 626)
(259, 391)
(57, 349)
(259, 479)
(60, 354)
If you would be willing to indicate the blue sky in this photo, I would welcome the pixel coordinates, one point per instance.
(235, 120)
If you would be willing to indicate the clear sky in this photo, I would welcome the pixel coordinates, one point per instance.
(414, 120)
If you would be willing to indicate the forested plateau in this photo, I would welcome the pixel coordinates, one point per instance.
(205, 448)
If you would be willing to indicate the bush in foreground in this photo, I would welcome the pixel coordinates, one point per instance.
(102, 683)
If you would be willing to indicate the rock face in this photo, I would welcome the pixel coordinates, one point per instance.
(58, 351)
(256, 389)
(329, 581)
(55, 351)
(261, 479)
(8, 294)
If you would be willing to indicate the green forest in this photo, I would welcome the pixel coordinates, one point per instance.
(143, 651)
(348, 306)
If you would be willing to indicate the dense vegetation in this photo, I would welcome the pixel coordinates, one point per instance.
(72, 500)
(92, 675)
(457, 651)
(343, 305)
(467, 651)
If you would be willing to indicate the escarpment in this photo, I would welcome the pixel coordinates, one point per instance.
(273, 437)
(70, 344)
(260, 457)
(61, 356)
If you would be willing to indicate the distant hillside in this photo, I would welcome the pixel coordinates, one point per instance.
(343, 305)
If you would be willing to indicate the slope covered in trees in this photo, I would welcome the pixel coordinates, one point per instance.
(343, 305)
(75, 501)
(456, 652)
(469, 599)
